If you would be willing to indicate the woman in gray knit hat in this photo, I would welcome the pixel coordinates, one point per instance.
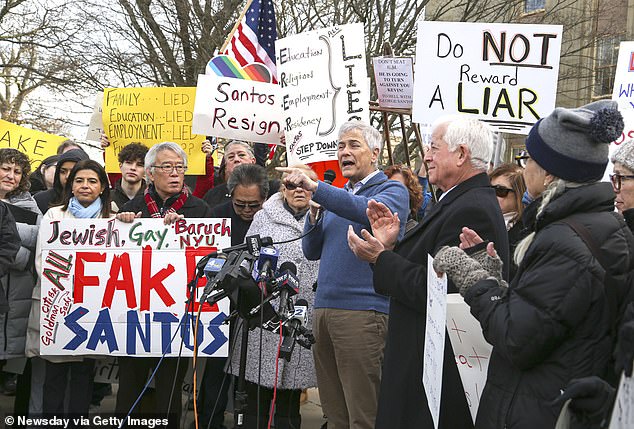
(623, 181)
(553, 323)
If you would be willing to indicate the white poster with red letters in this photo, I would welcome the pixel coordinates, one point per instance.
(120, 289)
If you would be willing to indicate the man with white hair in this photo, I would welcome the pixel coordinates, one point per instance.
(350, 317)
(457, 159)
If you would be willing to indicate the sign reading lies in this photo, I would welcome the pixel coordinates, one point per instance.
(150, 116)
(112, 288)
(36, 144)
(504, 74)
(237, 109)
(323, 83)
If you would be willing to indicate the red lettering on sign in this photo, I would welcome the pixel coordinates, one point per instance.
(149, 281)
(120, 267)
(190, 257)
(81, 280)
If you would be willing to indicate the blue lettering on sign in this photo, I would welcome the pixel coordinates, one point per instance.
(216, 333)
(71, 323)
(133, 328)
(103, 332)
(166, 320)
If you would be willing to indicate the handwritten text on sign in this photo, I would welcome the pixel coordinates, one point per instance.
(470, 348)
(623, 92)
(36, 144)
(503, 74)
(237, 109)
(394, 79)
(112, 288)
(434, 339)
(323, 83)
(150, 116)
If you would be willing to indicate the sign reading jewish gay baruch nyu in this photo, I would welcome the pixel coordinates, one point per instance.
(114, 288)
(504, 74)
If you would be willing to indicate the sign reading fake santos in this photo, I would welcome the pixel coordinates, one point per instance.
(113, 288)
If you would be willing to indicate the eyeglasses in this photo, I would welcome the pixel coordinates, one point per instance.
(291, 187)
(522, 158)
(502, 191)
(168, 168)
(247, 205)
(617, 178)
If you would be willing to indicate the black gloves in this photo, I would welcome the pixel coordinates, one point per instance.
(592, 400)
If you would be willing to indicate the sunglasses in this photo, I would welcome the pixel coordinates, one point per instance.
(617, 178)
(247, 205)
(502, 191)
(522, 158)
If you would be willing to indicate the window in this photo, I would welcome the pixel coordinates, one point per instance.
(533, 5)
(607, 54)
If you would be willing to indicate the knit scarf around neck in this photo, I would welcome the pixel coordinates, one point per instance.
(173, 208)
(79, 211)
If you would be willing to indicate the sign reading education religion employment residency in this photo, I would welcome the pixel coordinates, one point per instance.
(504, 74)
(120, 289)
(434, 347)
(323, 82)
(151, 116)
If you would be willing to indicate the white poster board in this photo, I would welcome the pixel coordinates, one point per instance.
(434, 347)
(623, 411)
(394, 79)
(504, 74)
(323, 83)
(471, 350)
(95, 127)
(120, 289)
(237, 109)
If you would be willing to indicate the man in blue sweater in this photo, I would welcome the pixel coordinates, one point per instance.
(350, 317)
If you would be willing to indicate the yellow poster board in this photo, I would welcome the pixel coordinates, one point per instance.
(150, 116)
(36, 144)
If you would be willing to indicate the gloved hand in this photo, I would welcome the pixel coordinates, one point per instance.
(463, 270)
(492, 264)
(592, 399)
(624, 351)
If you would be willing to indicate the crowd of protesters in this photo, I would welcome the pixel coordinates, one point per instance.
(541, 250)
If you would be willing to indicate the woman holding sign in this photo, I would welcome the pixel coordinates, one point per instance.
(86, 195)
(555, 321)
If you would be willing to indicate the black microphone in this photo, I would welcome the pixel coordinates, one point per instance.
(294, 324)
(288, 287)
(329, 177)
(252, 243)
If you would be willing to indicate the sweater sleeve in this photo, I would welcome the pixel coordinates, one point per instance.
(313, 242)
(205, 182)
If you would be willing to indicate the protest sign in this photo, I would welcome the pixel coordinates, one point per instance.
(434, 339)
(237, 109)
(623, 90)
(150, 116)
(120, 289)
(36, 144)
(470, 348)
(323, 83)
(95, 127)
(394, 79)
(504, 74)
(623, 411)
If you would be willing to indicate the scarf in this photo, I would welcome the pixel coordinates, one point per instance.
(81, 212)
(163, 211)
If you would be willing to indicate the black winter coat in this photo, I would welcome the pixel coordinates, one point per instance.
(553, 323)
(402, 275)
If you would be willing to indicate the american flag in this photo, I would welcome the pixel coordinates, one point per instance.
(254, 38)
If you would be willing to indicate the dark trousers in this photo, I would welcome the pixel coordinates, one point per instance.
(23, 391)
(213, 397)
(168, 382)
(56, 382)
(287, 414)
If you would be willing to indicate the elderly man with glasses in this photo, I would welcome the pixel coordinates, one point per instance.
(166, 197)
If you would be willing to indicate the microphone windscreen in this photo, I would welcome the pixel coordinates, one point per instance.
(301, 302)
(288, 266)
(329, 176)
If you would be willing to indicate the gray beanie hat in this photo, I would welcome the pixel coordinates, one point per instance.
(572, 144)
(625, 155)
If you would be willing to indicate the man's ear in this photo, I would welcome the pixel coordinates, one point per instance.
(464, 154)
(375, 154)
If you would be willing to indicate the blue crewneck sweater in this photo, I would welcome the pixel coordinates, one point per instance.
(344, 281)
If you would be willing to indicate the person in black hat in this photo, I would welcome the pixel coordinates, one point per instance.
(554, 322)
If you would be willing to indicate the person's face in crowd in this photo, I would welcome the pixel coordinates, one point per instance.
(625, 195)
(443, 166)
(356, 159)
(297, 198)
(132, 171)
(64, 171)
(236, 155)
(504, 193)
(48, 173)
(168, 174)
(10, 176)
(87, 187)
(535, 178)
(246, 201)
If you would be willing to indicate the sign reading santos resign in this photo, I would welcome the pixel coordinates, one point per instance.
(504, 74)
(150, 116)
(323, 83)
(112, 288)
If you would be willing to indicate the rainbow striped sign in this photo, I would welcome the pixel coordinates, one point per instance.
(226, 66)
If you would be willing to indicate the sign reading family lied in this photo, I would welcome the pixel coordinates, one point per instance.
(323, 83)
(120, 289)
(150, 116)
(504, 74)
